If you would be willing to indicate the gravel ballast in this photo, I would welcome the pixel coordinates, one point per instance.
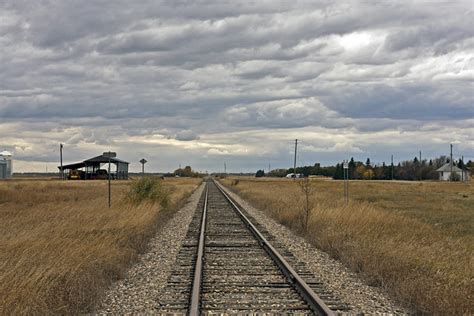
(345, 284)
(138, 291)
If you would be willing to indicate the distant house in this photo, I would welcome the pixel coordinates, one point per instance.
(445, 172)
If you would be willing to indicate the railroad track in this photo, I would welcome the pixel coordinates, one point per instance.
(228, 264)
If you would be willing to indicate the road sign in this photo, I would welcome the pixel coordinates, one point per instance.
(143, 161)
(346, 164)
(109, 154)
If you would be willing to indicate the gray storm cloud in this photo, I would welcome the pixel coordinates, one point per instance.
(202, 82)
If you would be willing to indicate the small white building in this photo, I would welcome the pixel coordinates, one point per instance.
(445, 172)
(6, 166)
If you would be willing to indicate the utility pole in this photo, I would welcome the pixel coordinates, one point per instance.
(451, 163)
(269, 168)
(61, 159)
(294, 164)
(421, 175)
(392, 167)
(225, 168)
(462, 168)
(345, 165)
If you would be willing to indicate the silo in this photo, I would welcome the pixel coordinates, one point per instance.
(6, 158)
(3, 169)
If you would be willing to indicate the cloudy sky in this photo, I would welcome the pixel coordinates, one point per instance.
(202, 82)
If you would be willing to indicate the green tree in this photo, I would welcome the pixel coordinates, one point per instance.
(260, 173)
(352, 168)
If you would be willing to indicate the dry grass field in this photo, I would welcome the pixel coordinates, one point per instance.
(61, 246)
(415, 239)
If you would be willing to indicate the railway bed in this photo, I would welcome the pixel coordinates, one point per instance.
(233, 265)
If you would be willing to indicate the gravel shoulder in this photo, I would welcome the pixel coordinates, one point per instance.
(138, 291)
(345, 284)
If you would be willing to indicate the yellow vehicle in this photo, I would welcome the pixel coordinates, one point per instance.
(76, 175)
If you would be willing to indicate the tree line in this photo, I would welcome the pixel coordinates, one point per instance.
(358, 170)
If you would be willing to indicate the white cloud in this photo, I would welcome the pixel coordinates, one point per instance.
(187, 81)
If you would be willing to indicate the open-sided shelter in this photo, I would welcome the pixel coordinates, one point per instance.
(96, 168)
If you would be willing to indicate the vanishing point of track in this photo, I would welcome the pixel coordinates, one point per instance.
(228, 264)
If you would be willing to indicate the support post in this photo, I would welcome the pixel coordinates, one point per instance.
(61, 159)
(109, 155)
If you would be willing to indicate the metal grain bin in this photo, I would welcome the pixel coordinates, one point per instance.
(6, 165)
(3, 169)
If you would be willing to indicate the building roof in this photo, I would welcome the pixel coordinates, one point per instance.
(94, 160)
(73, 166)
(447, 168)
(104, 159)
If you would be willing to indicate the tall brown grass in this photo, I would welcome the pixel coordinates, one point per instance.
(394, 236)
(61, 245)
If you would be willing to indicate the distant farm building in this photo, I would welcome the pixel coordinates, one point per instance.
(97, 168)
(445, 173)
(6, 165)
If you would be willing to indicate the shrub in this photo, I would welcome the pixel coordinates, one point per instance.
(149, 189)
(454, 177)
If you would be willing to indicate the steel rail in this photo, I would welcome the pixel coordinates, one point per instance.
(196, 293)
(314, 301)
